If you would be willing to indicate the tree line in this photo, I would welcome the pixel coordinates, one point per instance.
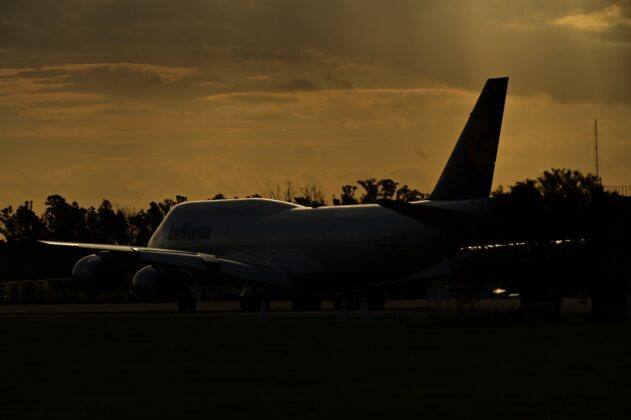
(560, 203)
(68, 221)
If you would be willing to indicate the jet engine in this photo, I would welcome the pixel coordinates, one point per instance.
(150, 284)
(98, 274)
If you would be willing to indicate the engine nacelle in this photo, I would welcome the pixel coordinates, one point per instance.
(152, 285)
(88, 271)
(95, 274)
(145, 282)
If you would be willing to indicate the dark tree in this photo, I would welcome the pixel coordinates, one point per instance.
(559, 204)
(384, 189)
(64, 221)
(407, 195)
(311, 196)
(374, 190)
(21, 225)
(108, 225)
(387, 189)
(347, 197)
(371, 190)
(280, 193)
(145, 222)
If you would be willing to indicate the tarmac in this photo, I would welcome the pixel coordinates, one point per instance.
(413, 359)
(487, 308)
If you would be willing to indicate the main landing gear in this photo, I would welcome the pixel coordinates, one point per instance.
(354, 301)
(254, 302)
(187, 300)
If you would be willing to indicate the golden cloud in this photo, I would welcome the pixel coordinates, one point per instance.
(596, 21)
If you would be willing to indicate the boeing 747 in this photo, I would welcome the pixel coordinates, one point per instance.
(259, 244)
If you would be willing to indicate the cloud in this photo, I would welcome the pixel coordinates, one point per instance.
(23, 85)
(60, 99)
(111, 72)
(363, 83)
(339, 83)
(72, 84)
(269, 55)
(258, 77)
(164, 73)
(598, 20)
(406, 44)
(251, 97)
(299, 84)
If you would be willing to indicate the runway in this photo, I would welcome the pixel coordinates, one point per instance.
(488, 308)
(134, 361)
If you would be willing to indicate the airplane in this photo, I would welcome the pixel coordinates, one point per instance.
(345, 253)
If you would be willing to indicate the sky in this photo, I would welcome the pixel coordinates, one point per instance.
(140, 100)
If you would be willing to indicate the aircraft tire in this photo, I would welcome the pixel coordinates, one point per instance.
(191, 304)
(338, 302)
(186, 302)
(351, 301)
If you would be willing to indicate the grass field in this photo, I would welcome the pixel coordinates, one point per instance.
(310, 367)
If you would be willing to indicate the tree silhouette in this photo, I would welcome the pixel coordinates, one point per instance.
(109, 225)
(21, 225)
(347, 197)
(371, 190)
(64, 221)
(384, 189)
(145, 222)
(106, 224)
(374, 190)
(559, 204)
(280, 193)
(387, 189)
(311, 196)
(407, 195)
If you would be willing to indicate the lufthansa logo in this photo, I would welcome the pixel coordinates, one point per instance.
(188, 232)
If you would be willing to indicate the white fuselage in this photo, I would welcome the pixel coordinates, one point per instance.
(357, 243)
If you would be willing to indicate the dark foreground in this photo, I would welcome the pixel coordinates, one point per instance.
(396, 364)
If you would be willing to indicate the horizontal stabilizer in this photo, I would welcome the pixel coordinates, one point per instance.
(429, 215)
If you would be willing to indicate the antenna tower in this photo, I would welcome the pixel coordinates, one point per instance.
(596, 148)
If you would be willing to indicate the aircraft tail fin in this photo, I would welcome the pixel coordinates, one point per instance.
(469, 170)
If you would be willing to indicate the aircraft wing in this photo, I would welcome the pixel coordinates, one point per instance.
(238, 270)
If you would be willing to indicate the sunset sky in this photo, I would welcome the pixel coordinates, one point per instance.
(141, 100)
